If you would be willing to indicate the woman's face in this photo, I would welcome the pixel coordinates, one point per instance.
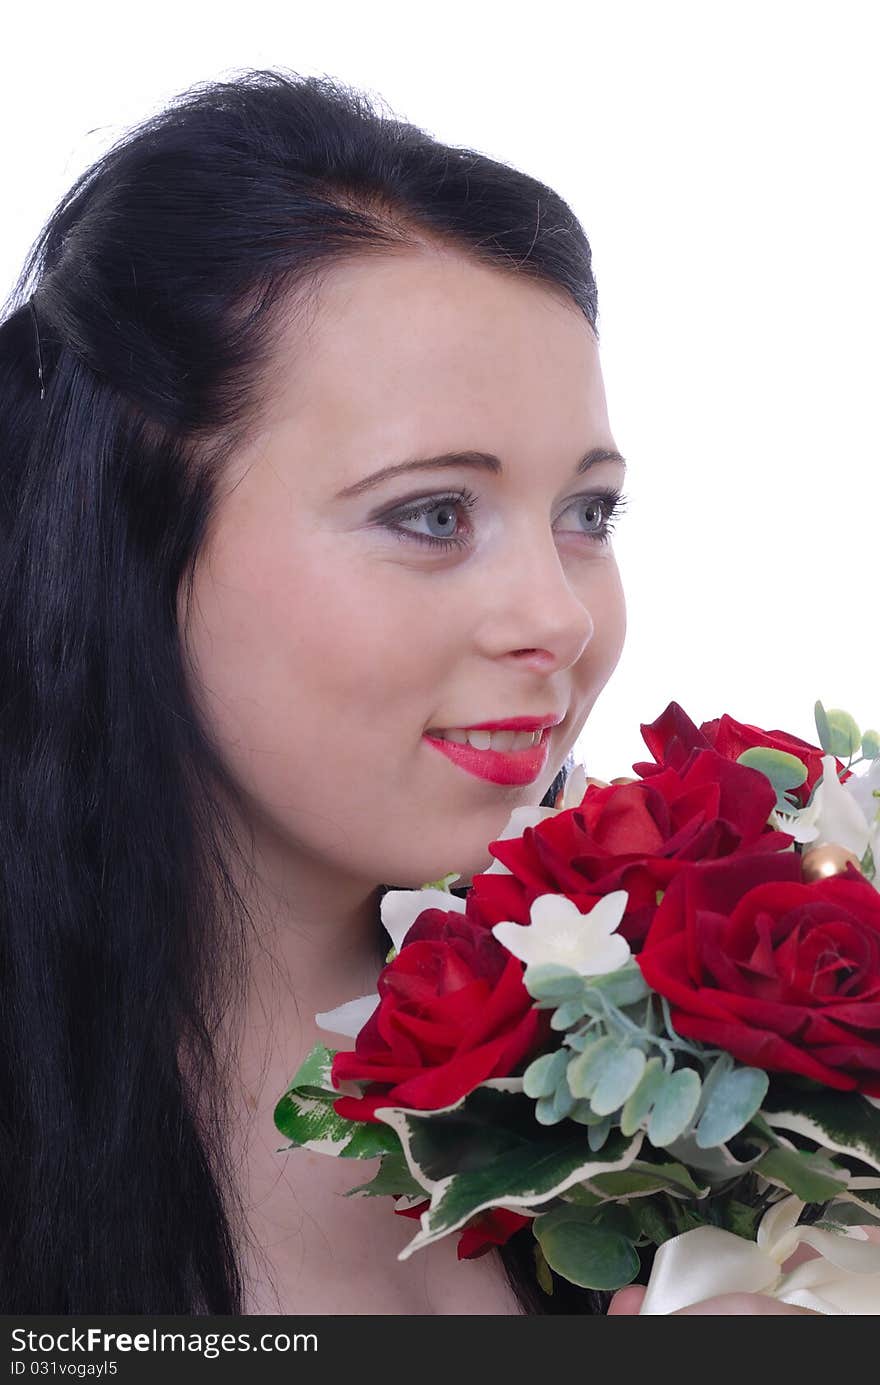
(327, 641)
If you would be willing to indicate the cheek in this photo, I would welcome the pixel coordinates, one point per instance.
(607, 604)
(292, 649)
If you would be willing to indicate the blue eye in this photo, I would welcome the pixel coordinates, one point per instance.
(606, 502)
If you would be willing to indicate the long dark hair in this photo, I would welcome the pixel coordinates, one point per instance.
(133, 352)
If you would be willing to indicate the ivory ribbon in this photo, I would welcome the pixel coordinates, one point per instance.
(844, 1278)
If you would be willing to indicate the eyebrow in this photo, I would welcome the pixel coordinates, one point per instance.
(487, 461)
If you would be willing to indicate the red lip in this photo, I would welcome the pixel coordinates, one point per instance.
(512, 724)
(498, 766)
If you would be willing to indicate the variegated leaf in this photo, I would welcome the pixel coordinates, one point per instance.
(491, 1152)
(843, 1122)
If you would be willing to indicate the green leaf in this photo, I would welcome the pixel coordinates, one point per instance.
(392, 1177)
(674, 1106)
(851, 1210)
(843, 1122)
(741, 1218)
(583, 1253)
(312, 1123)
(783, 770)
(734, 1099)
(845, 734)
(717, 1165)
(794, 1169)
(586, 1069)
(620, 1076)
(305, 1115)
(868, 1199)
(491, 1152)
(640, 1101)
(568, 1013)
(650, 1221)
(583, 1113)
(552, 1109)
(542, 1077)
(549, 981)
(313, 1076)
(597, 1135)
(442, 884)
(542, 1269)
(625, 986)
(871, 744)
(823, 730)
(642, 1178)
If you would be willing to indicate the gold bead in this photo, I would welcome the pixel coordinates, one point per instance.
(821, 862)
(623, 779)
(599, 783)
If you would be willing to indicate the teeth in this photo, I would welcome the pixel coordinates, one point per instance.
(491, 740)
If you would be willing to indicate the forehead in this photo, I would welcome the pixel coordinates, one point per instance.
(429, 330)
(416, 353)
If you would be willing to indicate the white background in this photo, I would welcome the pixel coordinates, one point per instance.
(723, 161)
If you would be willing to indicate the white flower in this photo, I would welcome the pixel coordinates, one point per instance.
(350, 1018)
(575, 788)
(401, 908)
(846, 814)
(559, 934)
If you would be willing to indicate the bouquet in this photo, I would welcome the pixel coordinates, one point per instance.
(651, 1029)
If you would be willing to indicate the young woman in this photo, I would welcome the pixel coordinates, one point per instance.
(305, 452)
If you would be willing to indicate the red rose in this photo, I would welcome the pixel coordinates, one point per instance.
(782, 974)
(491, 1228)
(488, 1229)
(453, 1012)
(673, 737)
(634, 837)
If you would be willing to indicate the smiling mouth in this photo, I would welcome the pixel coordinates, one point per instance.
(509, 742)
(498, 766)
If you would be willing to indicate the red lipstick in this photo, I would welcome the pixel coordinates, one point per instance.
(500, 766)
(517, 724)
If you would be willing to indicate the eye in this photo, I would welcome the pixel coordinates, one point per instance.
(603, 506)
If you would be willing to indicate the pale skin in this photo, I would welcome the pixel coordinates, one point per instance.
(323, 647)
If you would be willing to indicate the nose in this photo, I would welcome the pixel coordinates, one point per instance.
(538, 606)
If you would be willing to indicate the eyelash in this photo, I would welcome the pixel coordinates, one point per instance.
(613, 504)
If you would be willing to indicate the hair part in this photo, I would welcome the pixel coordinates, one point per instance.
(159, 288)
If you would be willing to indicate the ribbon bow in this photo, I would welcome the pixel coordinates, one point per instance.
(844, 1278)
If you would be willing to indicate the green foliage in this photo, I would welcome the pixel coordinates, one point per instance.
(305, 1115)
(823, 730)
(841, 1121)
(392, 1178)
(620, 1075)
(542, 1077)
(674, 1106)
(542, 1269)
(798, 1172)
(785, 772)
(444, 883)
(732, 1101)
(578, 1246)
(638, 1105)
(838, 732)
(586, 1069)
(500, 1155)
(871, 744)
(549, 982)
